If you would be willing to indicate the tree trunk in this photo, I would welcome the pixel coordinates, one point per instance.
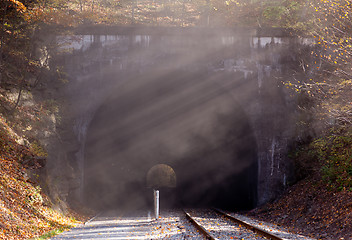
(81, 5)
(2, 36)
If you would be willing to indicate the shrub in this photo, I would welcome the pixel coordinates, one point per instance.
(334, 154)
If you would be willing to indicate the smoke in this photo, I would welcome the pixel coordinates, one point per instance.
(177, 100)
(181, 118)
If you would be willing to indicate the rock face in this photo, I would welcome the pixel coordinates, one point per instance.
(174, 99)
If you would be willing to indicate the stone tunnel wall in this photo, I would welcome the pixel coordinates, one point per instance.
(95, 64)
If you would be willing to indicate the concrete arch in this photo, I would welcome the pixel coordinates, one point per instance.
(177, 117)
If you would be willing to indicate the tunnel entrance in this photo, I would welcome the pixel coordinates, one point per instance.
(182, 119)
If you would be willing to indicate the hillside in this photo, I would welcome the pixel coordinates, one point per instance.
(320, 204)
(25, 211)
(308, 208)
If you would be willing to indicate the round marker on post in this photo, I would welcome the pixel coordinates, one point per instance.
(160, 176)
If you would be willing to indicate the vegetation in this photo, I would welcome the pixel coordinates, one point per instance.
(331, 156)
(331, 85)
(24, 209)
(327, 87)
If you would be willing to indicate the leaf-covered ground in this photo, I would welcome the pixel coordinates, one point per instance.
(24, 210)
(309, 208)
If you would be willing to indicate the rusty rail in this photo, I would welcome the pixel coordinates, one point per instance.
(248, 226)
(199, 227)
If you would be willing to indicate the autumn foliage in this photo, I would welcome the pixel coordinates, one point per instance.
(25, 211)
(331, 84)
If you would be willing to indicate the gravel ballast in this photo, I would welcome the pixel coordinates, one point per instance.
(172, 224)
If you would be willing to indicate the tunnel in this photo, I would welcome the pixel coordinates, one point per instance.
(188, 120)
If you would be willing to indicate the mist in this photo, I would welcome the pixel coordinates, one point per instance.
(179, 118)
(197, 101)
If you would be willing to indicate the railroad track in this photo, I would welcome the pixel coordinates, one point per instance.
(216, 224)
(175, 225)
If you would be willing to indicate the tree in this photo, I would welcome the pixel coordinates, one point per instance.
(331, 84)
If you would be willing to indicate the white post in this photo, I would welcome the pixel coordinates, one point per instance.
(156, 203)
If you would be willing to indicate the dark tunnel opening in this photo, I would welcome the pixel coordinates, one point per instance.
(184, 119)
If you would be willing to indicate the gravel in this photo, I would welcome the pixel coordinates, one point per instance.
(271, 228)
(139, 225)
(172, 224)
(220, 227)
